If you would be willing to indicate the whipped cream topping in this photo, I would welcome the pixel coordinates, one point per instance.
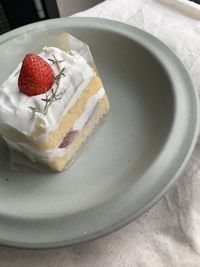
(14, 105)
(59, 152)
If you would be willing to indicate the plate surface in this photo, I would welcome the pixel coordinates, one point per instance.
(131, 159)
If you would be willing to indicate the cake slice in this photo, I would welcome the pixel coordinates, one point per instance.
(49, 106)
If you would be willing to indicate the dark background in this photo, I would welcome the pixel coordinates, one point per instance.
(16, 13)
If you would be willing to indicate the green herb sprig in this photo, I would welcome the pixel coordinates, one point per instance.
(54, 95)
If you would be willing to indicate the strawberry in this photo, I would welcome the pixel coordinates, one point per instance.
(67, 139)
(36, 75)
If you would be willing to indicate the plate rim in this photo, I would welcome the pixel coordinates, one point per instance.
(127, 30)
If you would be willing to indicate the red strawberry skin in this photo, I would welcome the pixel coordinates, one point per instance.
(36, 75)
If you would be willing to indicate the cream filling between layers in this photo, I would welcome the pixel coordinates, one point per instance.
(49, 155)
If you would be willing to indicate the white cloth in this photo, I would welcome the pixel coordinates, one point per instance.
(168, 234)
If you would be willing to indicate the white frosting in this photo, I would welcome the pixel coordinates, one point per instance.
(14, 105)
(59, 152)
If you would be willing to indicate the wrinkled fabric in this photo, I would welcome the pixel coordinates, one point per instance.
(168, 235)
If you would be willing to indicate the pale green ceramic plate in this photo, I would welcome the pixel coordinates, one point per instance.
(132, 158)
